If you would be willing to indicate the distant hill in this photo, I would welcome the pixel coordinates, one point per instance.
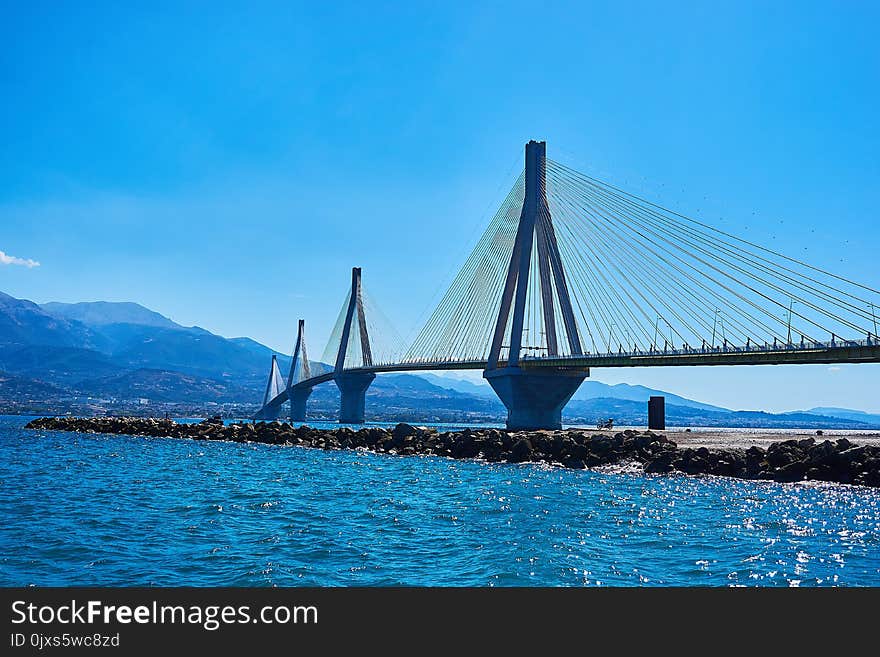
(138, 338)
(415, 391)
(24, 322)
(56, 364)
(192, 350)
(118, 349)
(24, 389)
(588, 390)
(459, 385)
(628, 412)
(598, 390)
(846, 414)
(100, 313)
(414, 384)
(164, 386)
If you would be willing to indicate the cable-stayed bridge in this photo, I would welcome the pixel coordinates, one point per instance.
(573, 273)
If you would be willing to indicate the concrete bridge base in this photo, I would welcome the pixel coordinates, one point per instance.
(353, 388)
(268, 413)
(298, 399)
(534, 400)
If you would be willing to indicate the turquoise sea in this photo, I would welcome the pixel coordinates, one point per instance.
(78, 509)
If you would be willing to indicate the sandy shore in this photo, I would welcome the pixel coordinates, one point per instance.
(745, 439)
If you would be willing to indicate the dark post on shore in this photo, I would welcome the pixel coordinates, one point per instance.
(657, 413)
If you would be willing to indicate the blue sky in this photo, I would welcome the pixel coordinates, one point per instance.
(226, 164)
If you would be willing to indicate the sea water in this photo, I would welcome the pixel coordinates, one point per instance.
(83, 509)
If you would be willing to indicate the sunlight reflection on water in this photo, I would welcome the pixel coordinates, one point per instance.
(115, 510)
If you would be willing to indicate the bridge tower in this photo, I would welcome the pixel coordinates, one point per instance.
(534, 397)
(353, 385)
(274, 386)
(299, 371)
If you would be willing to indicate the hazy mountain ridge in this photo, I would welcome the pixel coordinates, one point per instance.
(146, 339)
(24, 322)
(845, 413)
(625, 391)
(588, 390)
(459, 385)
(628, 412)
(164, 386)
(24, 388)
(98, 313)
(82, 349)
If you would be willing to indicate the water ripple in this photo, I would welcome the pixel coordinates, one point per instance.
(114, 510)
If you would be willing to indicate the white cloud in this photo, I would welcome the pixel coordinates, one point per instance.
(833, 368)
(12, 260)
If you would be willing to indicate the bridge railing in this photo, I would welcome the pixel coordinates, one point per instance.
(765, 347)
(684, 350)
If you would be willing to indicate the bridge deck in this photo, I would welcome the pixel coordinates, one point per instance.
(828, 353)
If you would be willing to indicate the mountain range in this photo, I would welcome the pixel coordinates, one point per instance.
(95, 357)
(125, 351)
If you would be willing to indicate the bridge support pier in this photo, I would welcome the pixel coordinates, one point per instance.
(269, 413)
(353, 389)
(298, 399)
(534, 399)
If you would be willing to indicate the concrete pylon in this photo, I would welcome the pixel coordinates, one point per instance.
(274, 387)
(353, 385)
(299, 371)
(534, 397)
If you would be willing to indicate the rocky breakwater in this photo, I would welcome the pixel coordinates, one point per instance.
(787, 461)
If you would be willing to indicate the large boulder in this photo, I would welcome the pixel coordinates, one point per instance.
(784, 453)
(466, 447)
(403, 430)
(661, 464)
(791, 472)
(521, 451)
(729, 463)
